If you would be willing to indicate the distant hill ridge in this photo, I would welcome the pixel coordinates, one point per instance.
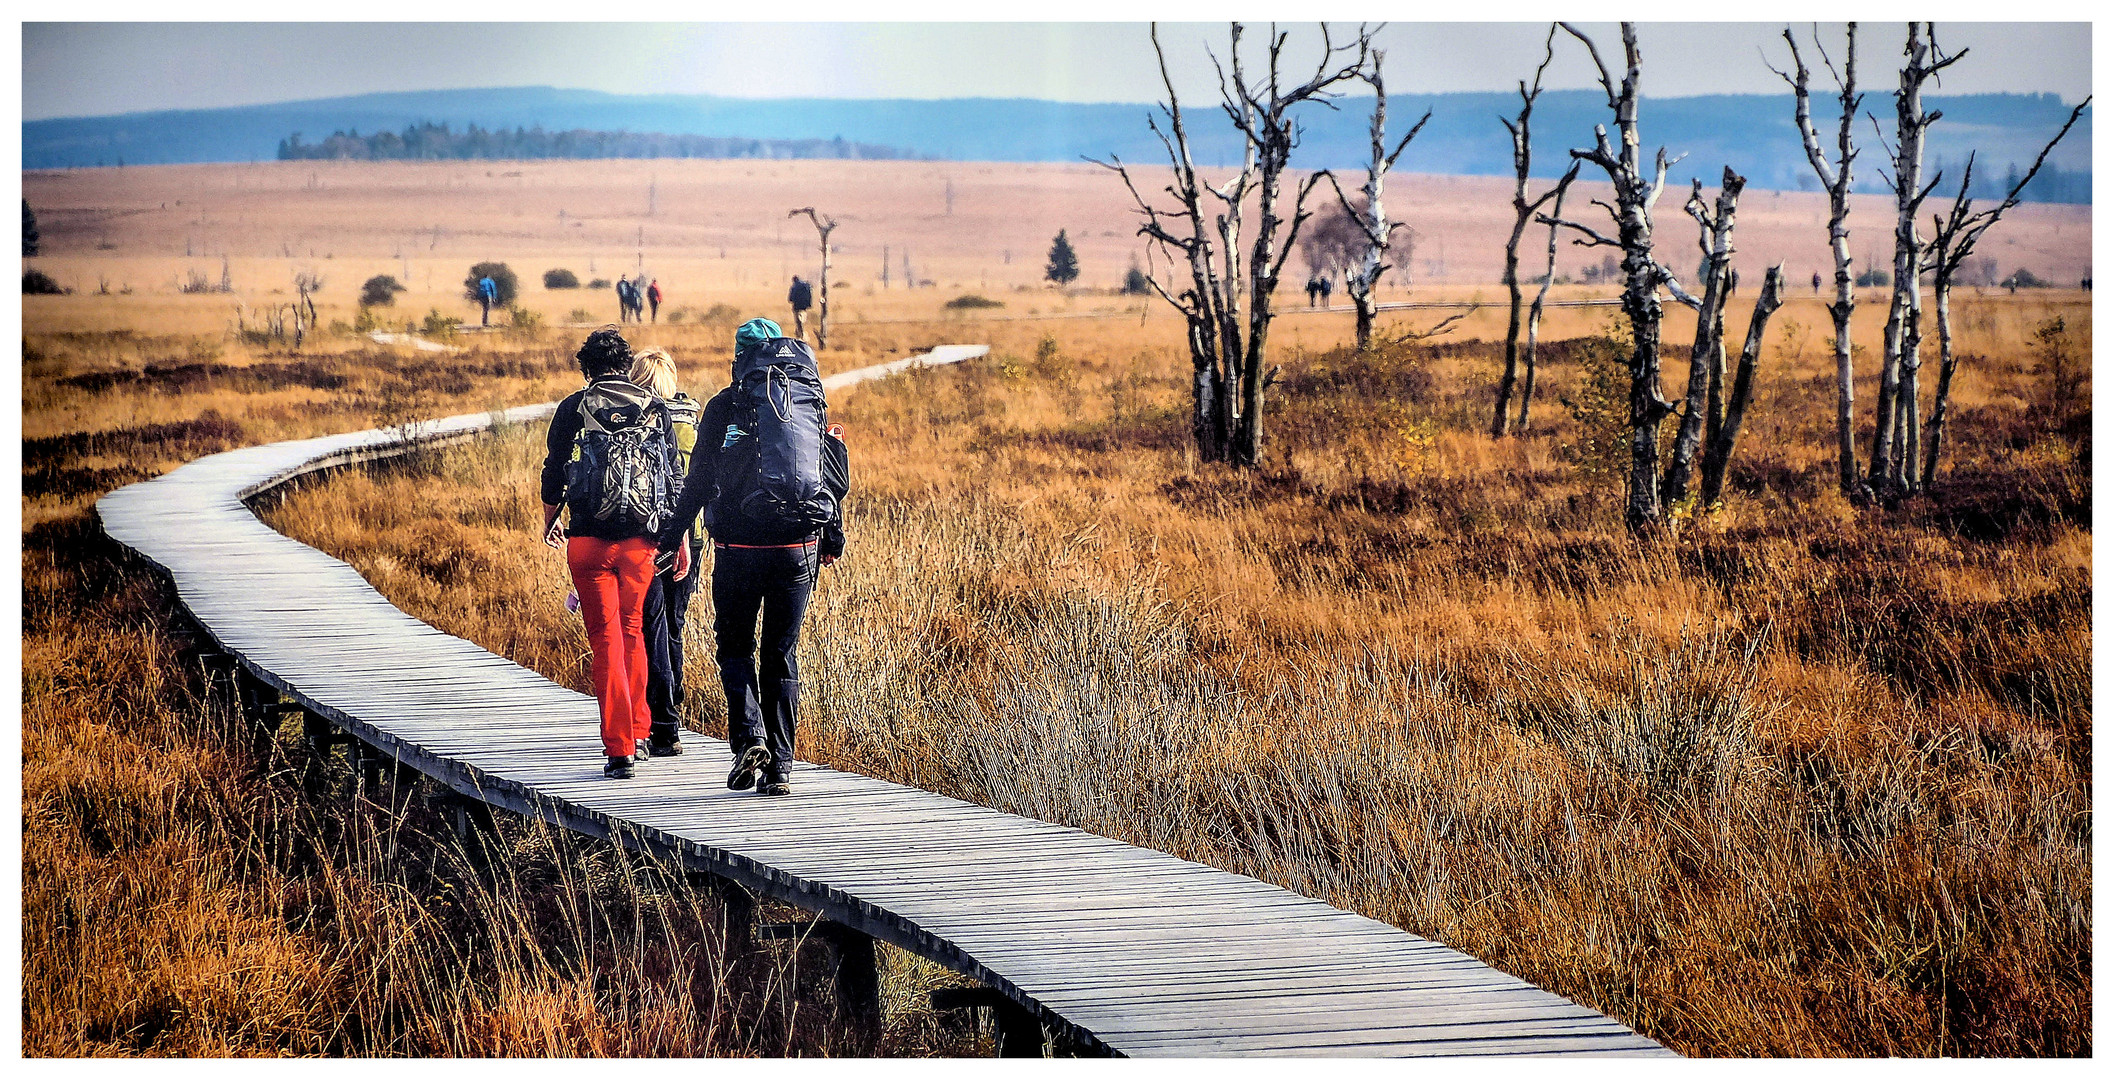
(427, 141)
(1753, 133)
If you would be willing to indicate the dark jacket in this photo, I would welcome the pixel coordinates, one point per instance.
(800, 296)
(701, 490)
(557, 452)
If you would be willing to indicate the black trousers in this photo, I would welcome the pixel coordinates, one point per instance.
(763, 700)
(667, 611)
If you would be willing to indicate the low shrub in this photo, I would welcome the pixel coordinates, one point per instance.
(439, 327)
(380, 291)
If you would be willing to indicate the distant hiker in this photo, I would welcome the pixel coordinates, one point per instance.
(668, 601)
(1327, 287)
(1816, 281)
(609, 462)
(487, 291)
(1313, 290)
(653, 296)
(627, 299)
(802, 298)
(770, 476)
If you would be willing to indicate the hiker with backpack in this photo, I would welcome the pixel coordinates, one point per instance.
(626, 300)
(802, 297)
(668, 600)
(770, 475)
(609, 462)
(653, 296)
(487, 292)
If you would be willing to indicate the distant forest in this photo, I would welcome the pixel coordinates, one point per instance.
(436, 142)
(2052, 184)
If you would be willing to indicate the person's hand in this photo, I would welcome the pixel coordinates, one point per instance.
(828, 559)
(554, 533)
(682, 560)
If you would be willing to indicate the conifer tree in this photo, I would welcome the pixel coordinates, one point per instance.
(1064, 262)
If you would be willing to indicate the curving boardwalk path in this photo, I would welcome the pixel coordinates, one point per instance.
(1121, 950)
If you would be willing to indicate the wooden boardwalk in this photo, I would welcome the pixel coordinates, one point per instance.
(1115, 949)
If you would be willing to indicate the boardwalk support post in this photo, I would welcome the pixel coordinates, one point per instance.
(473, 823)
(255, 698)
(857, 977)
(370, 762)
(1020, 1034)
(740, 907)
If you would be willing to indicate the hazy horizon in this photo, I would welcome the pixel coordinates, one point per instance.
(80, 70)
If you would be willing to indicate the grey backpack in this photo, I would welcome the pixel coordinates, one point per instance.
(623, 466)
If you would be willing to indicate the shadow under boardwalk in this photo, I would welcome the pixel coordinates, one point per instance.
(1122, 949)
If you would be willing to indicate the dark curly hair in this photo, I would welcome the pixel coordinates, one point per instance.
(604, 352)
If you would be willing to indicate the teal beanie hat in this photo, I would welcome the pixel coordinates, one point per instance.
(753, 333)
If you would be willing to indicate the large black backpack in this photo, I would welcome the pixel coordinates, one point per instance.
(623, 466)
(774, 476)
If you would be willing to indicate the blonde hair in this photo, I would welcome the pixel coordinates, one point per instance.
(654, 369)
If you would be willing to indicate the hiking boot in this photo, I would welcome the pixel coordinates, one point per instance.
(747, 767)
(669, 747)
(619, 768)
(773, 787)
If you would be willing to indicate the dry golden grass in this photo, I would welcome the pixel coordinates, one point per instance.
(1797, 779)
(1793, 779)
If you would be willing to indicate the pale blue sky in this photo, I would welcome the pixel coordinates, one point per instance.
(85, 69)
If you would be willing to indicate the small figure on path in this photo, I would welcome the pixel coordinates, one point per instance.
(1314, 291)
(653, 296)
(487, 292)
(770, 476)
(1816, 282)
(802, 297)
(668, 601)
(627, 299)
(1327, 287)
(609, 462)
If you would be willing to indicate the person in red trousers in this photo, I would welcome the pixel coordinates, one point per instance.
(611, 563)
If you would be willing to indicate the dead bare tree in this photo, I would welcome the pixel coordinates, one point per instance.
(1541, 297)
(1523, 210)
(1835, 178)
(1631, 213)
(1370, 216)
(1718, 454)
(1894, 437)
(1705, 373)
(823, 227)
(1228, 305)
(306, 284)
(1952, 242)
